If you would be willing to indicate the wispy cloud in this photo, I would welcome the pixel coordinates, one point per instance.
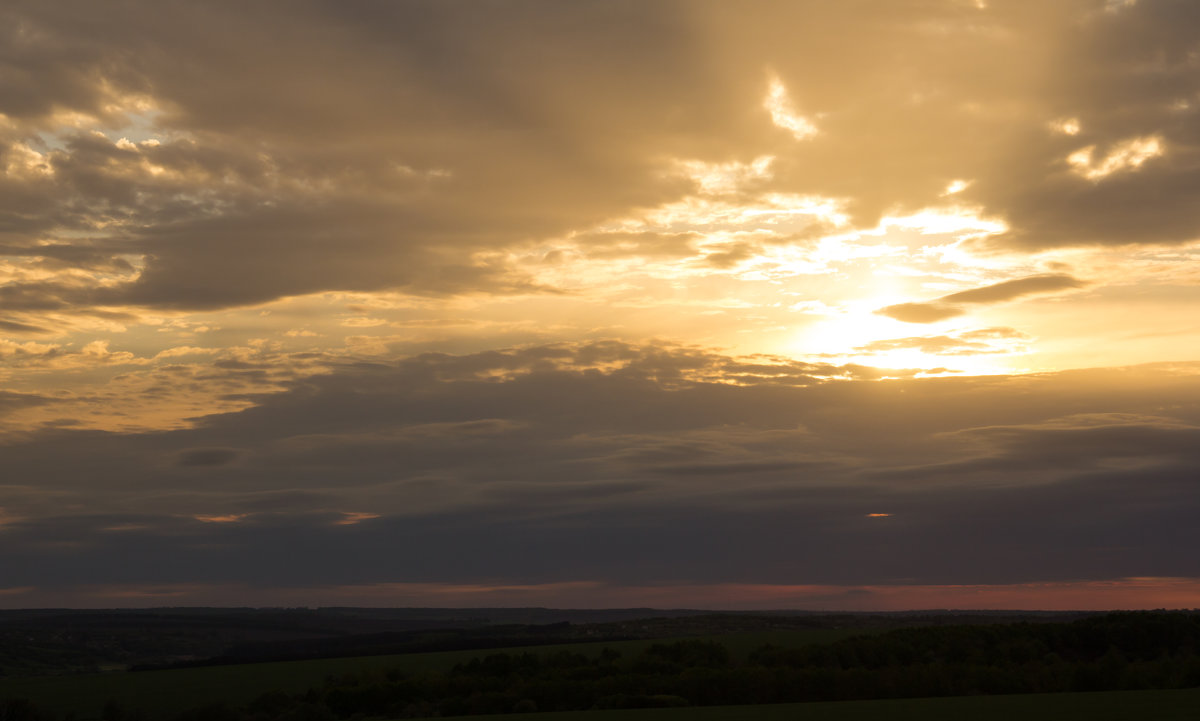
(956, 304)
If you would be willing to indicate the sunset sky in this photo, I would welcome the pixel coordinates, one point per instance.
(828, 305)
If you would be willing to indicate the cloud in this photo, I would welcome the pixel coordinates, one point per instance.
(207, 456)
(1125, 156)
(10, 401)
(439, 181)
(547, 463)
(976, 342)
(1010, 289)
(368, 164)
(12, 326)
(951, 305)
(638, 244)
(921, 312)
(405, 204)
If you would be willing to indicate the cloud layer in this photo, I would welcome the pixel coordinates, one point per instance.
(952, 305)
(625, 466)
(607, 294)
(397, 145)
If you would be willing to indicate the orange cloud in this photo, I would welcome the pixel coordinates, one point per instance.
(227, 518)
(350, 518)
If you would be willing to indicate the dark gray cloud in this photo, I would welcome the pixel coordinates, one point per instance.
(1084, 528)
(951, 305)
(207, 456)
(10, 401)
(533, 465)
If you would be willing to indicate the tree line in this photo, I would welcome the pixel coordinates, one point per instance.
(1133, 650)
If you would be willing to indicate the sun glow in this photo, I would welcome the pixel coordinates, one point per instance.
(854, 332)
(733, 228)
(848, 326)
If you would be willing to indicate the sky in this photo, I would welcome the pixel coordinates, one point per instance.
(861, 305)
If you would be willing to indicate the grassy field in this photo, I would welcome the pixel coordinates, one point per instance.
(172, 690)
(1105, 706)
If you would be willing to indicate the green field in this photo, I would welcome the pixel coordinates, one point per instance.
(1103, 706)
(159, 692)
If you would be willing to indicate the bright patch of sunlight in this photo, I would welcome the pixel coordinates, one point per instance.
(956, 186)
(784, 114)
(854, 325)
(1066, 126)
(1127, 155)
(717, 178)
(944, 221)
